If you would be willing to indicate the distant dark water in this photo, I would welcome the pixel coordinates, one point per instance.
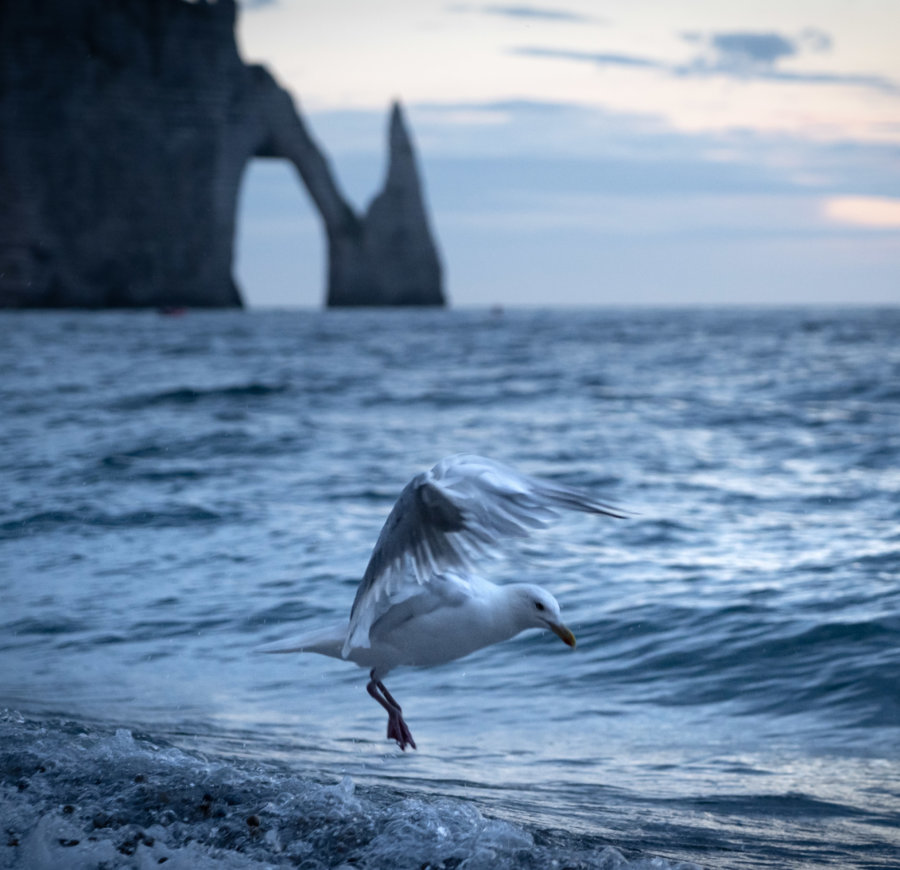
(179, 490)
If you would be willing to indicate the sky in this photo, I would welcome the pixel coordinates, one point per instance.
(597, 153)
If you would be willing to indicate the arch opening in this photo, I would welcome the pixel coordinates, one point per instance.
(279, 245)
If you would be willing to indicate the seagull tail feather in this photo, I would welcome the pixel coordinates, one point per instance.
(326, 641)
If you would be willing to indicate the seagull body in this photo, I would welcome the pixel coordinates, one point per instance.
(458, 616)
(419, 604)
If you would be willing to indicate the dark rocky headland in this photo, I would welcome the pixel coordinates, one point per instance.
(125, 130)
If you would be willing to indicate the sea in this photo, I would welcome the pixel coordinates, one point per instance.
(181, 487)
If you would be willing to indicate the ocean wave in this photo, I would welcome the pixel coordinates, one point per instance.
(222, 441)
(746, 656)
(83, 520)
(193, 395)
(75, 795)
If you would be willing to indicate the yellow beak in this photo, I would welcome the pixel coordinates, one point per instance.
(562, 633)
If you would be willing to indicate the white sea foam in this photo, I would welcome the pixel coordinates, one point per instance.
(81, 798)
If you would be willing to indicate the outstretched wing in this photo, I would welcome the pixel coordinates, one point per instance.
(448, 517)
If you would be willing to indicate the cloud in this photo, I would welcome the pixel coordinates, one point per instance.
(741, 48)
(817, 40)
(875, 83)
(756, 55)
(532, 13)
(876, 212)
(598, 58)
(748, 55)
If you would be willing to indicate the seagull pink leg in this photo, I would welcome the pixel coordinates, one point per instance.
(397, 728)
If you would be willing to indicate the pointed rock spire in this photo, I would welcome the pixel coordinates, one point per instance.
(392, 259)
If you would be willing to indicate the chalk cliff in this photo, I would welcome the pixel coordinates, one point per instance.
(125, 129)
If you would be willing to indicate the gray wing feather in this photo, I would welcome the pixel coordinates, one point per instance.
(417, 526)
(449, 517)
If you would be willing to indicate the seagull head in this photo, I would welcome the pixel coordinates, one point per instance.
(537, 608)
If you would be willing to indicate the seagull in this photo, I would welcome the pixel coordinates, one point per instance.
(419, 603)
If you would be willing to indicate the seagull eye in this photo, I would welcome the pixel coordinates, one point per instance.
(539, 606)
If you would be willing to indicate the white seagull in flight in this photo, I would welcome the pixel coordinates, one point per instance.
(418, 603)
